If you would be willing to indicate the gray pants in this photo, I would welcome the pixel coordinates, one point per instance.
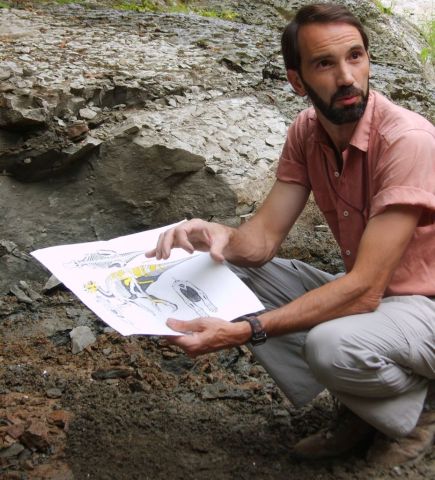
(377, 364)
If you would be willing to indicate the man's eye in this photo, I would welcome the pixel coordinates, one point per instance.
(324, 63)
(355, 55)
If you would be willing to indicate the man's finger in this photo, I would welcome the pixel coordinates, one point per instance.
(151, 253)
(182, 326)
(217, 247)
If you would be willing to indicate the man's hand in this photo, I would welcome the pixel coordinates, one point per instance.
(194, 235)
(208, 334)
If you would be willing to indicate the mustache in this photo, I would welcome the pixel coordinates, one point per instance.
(347, 91)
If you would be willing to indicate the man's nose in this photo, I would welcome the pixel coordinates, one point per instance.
(344, 75)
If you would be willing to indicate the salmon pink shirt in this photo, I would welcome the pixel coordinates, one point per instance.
(390, 161)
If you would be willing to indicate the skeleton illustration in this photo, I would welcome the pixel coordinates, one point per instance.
(125, 287)
(104, 259)
(194, 298)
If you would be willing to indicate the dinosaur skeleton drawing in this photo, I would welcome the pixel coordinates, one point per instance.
(194, 298)
(104, 259)
(127, 287)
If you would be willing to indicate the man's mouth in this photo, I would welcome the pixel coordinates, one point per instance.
(348, 100)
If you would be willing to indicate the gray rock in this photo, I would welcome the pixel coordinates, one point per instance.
(51, 284)
(87, 113)
(21, 295)
(13, 451)
(4, 74)
(54, 392)
(81, 337)
(35, 296)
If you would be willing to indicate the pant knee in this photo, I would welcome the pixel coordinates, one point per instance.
(322, 352)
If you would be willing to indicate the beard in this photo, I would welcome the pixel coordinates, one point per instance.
(339, 115)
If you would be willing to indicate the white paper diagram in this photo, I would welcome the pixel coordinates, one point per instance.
(136, 295)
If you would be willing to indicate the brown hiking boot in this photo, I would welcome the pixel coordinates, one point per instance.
(350, 432)
(387, 452)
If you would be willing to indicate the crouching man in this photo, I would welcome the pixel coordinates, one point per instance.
(368, 336)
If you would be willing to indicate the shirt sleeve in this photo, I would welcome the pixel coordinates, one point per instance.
(292, 167)
(405, 174)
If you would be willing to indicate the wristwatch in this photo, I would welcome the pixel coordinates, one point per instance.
(259, 336)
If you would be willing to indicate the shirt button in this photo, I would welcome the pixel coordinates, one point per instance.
(347, 252)
(337, 174)
(346, 213)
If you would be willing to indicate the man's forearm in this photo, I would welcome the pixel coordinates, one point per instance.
(339, 298)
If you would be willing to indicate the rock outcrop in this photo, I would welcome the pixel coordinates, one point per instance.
(113, 122)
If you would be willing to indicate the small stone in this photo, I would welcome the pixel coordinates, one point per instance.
(77, 130)
(87, 113)
(29, 290)
(274, 140)
(125, 130)
(36, 437)
(397, 471)
(81, 337)
(16, 430)
(60, 418)
(110, 373)
(53, 393)
(21, 296)
(4, 74)
(12, 451)
(51, 284)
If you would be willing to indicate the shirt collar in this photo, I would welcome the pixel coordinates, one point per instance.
(361, 135)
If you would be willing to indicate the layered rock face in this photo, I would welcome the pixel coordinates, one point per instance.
(113, 122)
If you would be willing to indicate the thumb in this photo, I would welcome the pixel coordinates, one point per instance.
(182, 326)
(217, 247)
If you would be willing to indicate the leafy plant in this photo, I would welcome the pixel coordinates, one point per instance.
(141, 6)
(224, 14)
(383, 9)
(66, 2)
(428, 31)
(179, 7)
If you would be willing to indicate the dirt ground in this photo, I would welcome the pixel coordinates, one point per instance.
(136, 408)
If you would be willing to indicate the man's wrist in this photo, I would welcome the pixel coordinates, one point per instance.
(258, 335)
(241, 332)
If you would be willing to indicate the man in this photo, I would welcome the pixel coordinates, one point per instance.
(368, 335)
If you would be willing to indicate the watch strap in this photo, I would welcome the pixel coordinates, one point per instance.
(258, 336)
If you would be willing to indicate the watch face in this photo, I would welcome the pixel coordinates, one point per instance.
(259, 336)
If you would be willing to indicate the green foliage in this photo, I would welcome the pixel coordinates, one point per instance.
(180, 7)
(387, 10)
(66, 2)
(428, 31)
(4, 5)
(137, 6)
(224, 14)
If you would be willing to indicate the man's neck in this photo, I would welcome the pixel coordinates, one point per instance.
(340, 135)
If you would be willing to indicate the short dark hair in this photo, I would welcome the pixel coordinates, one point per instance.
(315, 13)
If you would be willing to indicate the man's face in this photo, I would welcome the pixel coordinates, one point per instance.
(334, 70)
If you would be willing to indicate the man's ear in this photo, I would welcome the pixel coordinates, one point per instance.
(296, 82)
